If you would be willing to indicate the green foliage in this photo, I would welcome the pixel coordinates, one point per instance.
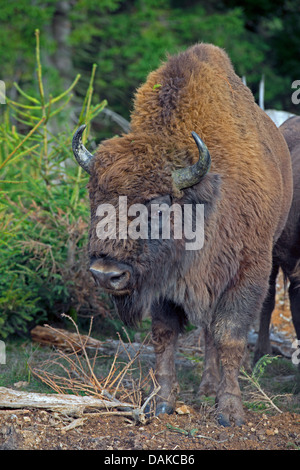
(261, 365)
(153, 29)
(18, 20)
(43, 211)
(129, 39)
(133, 40)
(262, 400)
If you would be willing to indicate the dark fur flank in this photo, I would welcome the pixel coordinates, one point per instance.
(286, 253)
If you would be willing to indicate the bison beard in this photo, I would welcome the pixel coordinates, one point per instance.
(246, 197)
(155, 279)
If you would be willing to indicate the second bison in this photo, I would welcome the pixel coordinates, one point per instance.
(286, 253)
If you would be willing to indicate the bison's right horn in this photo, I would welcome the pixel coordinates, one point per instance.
(82, 155)
(190, 175)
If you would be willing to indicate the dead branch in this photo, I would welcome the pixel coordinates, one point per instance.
(71, 369)
(64, 339)
(70, 342)
(67, 341)
(67, 404)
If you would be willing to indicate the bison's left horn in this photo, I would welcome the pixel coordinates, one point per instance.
(190, 175)
(82, 155)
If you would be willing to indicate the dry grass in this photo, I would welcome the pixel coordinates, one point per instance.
(73, 371)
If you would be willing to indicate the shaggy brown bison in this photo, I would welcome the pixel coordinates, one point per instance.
(246, 197)
(286, 253)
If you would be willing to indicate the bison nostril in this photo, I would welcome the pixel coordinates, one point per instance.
(117, 279)
(109, 277)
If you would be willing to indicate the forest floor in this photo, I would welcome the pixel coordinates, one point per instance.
(198, 430)
(193, 427)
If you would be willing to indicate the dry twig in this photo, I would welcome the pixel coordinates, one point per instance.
(72, 370)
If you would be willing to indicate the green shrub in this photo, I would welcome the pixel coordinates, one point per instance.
(44, 211)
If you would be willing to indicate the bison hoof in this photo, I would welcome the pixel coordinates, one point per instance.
(230, 410)
(164, 407)
(161, 408)
(224, 420)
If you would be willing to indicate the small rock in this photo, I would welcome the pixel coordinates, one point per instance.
(13, 417)
(261, 436)
(271, 432)
(223, 436)
(43, 416)
(21, 384)
(183, 410)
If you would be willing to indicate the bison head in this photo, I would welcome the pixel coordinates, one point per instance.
(142, 170)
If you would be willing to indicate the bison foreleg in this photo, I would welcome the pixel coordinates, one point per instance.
(229, 401)
(167, 321)
(164, 342)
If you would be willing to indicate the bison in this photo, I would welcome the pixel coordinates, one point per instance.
(286, 254)
(197, 139)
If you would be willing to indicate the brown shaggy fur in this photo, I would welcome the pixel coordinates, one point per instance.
(200, 91)
(247, 196)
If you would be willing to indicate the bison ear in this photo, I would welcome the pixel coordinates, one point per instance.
(190, 175)
(82, 155)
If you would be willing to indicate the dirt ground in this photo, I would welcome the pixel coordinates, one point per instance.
(28, 430)
(197, 429)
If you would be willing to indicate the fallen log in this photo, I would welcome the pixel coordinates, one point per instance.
(74, 342)
(69, 342)
(64, 339)
(72, 405)
(68, 404)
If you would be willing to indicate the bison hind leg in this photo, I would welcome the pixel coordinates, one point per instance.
(211, 373)
(263, 345)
